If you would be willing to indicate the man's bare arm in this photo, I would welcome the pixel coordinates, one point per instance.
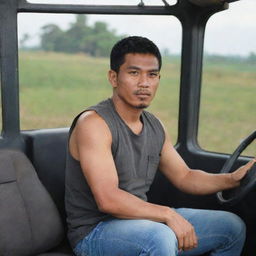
(196, 181)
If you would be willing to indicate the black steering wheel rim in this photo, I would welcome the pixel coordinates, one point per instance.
(234, 195)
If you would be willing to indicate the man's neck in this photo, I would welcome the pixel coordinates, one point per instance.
(130, 115)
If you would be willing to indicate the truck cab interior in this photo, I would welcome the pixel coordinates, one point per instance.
(32, 160)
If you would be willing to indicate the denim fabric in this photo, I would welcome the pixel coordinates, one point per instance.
(221, 233)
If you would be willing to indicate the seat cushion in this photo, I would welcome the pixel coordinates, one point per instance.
(30, 223)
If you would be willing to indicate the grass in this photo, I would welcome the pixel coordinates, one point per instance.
(227, 106)
(54, 87)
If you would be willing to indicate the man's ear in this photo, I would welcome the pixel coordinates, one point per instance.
(112, 77)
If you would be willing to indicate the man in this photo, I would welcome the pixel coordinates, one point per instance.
(115, 149)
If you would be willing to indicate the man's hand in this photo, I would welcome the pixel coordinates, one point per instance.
(239, 174)
(183, 230)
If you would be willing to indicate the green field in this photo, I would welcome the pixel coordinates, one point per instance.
(54, 87)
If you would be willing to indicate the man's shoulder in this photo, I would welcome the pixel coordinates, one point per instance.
(90, 118)
(92, 127)
(90, 114)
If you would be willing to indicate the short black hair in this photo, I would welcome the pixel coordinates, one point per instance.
(132, 44)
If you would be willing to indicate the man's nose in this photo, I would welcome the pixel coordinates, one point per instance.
(143, 81)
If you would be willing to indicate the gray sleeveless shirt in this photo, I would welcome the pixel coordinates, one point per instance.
(136, 159)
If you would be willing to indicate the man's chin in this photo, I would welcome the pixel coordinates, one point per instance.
(141, 106)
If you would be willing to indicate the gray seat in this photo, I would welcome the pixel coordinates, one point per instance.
(29, 220)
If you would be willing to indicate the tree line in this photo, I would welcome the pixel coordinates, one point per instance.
(95, 40)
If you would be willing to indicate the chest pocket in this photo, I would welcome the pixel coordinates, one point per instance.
(153, 162)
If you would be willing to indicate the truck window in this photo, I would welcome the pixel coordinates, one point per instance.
(56, 83)
(227, 111)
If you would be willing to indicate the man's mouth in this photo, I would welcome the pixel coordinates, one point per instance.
(142, 93)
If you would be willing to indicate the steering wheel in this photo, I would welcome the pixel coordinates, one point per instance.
(234, 195)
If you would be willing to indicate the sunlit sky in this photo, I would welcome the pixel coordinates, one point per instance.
(232, 31)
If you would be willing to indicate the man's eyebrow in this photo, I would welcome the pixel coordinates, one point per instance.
(133, 67)
(137, 68)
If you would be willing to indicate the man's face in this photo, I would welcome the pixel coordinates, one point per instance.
(137, 80)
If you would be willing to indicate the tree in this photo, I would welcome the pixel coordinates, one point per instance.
(252, 58)
(24, 40)
(75, 35)
(80, 37)
(51, 38)
(100, 40)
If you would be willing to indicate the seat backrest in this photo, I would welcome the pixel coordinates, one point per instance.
(46, 150)
(29, 220)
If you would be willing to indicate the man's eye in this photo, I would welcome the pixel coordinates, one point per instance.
(153, 74)
(133, 72)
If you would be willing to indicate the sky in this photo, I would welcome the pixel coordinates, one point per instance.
(231, 32)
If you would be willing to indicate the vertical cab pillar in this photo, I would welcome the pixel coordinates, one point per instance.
(193, 19)
(9, 73)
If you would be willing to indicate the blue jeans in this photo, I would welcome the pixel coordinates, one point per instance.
(220, 233)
